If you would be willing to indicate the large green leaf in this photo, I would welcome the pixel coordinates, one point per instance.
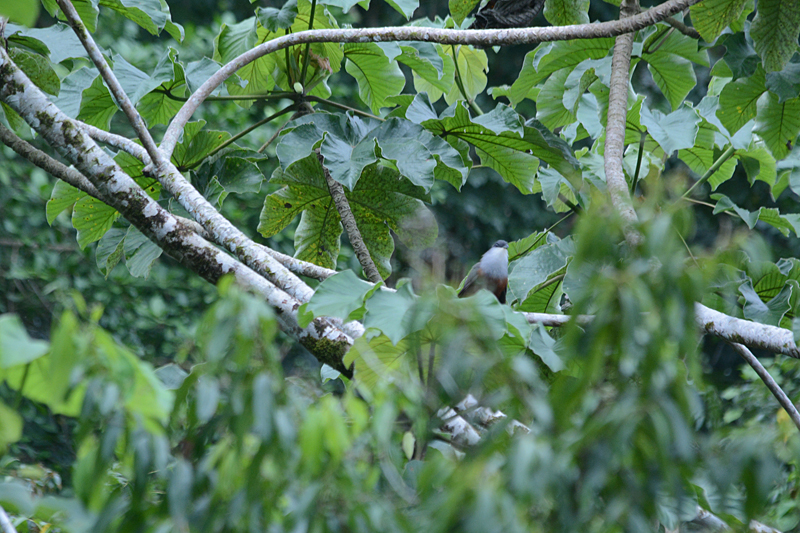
(671, 67)
(349, 144)
(759, 164)
(785, 83)
(97, 106)
(784, 223)
(674, 131)
(148, 14)
(63, 196)
(471, 67)
(550, 109)
(550, 57)
(740, 57)
(379, 202)
(429, 77)
(109, 250)
(196, 145)
(425, 61)
(16, 346)
(378, 77)
(255, 77)
(565, 12)
(10, 421)
(459, 9)
(499, 146)
(769, 312)
(777, 123)
(92, 218)
(340, 296)
(404, 7)
(159, 105)
(395, 313)
(774, 32)
(738, 101)
(23, 12)
(274, 18)
(37, 68)
(140, 253)
(710, 17)
(700, 159)
(535, 268)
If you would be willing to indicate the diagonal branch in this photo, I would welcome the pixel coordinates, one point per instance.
(485, 38)
(773, 387)
(113, 84)
(322, 337)
(349, 222)
(48, 164)
(5, 523)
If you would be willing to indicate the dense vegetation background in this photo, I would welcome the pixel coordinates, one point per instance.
(138, 396)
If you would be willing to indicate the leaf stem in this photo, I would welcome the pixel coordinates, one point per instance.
(727, 154)
(251, 128)
(635, 179)
(306, 55)
(460, 84)
(265, 96)
(544, 234)
(331, 103)
(431, 357)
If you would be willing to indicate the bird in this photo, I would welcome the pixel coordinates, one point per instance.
(490, 273)
(507, 14)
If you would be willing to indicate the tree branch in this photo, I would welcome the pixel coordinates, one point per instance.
(773, 387)
(5, 522)
(322, 337)
(751, 334)
(136, 120)
(48, 164)
(615, 126)
(683, 28)
(349, 222)
(726, 327)
(486, 38)
(117, 141)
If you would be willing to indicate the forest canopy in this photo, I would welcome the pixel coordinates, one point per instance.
(235, 253)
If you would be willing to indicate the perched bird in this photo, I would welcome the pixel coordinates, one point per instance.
(490, 273)
(507, 14)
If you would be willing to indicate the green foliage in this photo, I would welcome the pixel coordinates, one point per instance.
(196, 426)
(379, 202)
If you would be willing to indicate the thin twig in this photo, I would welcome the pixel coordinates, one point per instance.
(727, 154)
(251, 128)
(635, 179)
(683, 28)
(312, 98)
(117, 141)
(431, 358)
(307, 56)
(350, 226)
(773, 387)
(48, 164)
(269, 141)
